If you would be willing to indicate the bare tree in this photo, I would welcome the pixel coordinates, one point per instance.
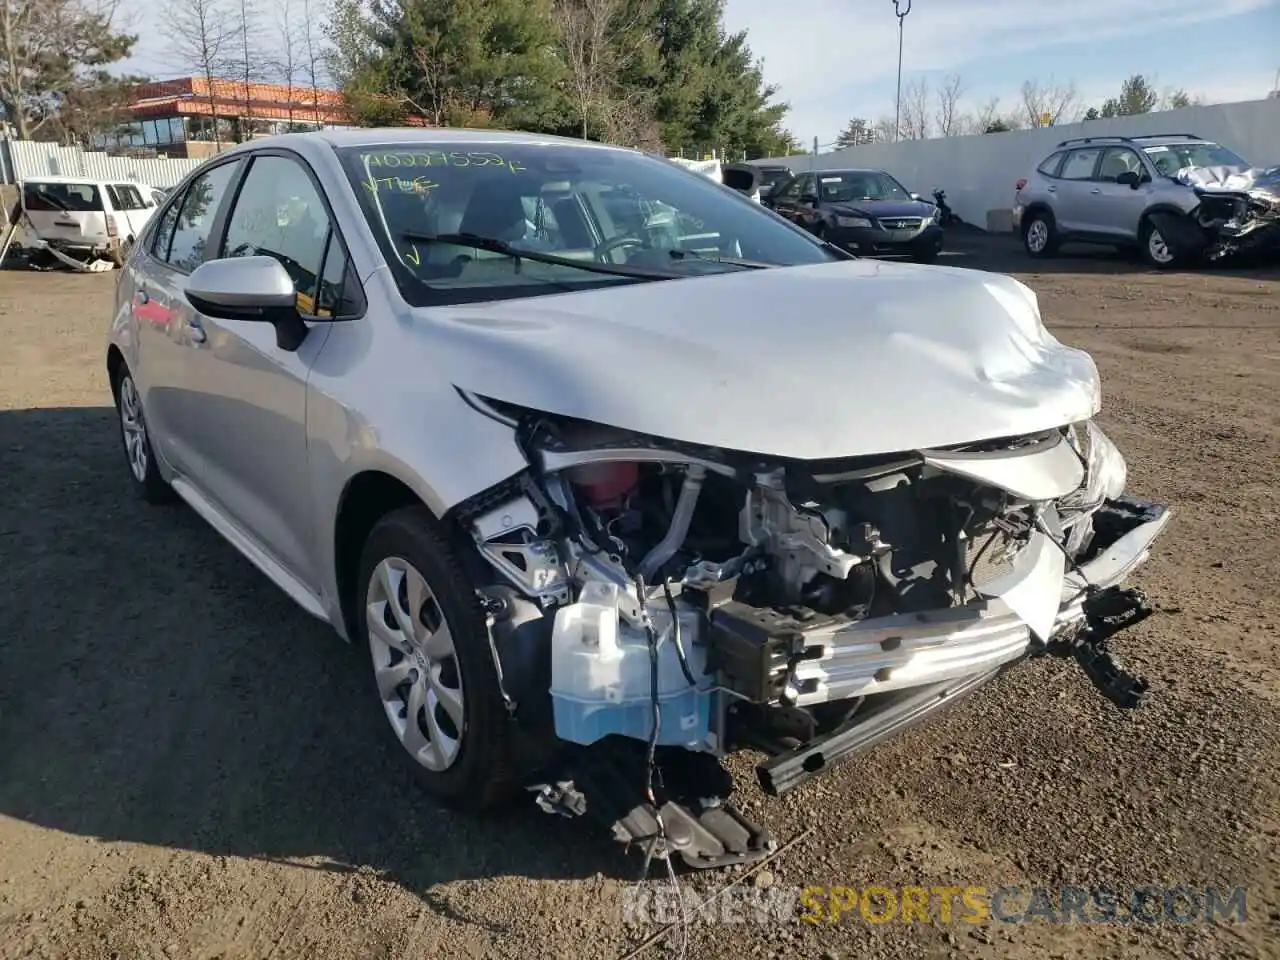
(884, 130)
(286, 64)
(1047, 104)
(951, 122)
(589, 32)
(311, 50)
(201, 33)
(916, 122)
(249, 60)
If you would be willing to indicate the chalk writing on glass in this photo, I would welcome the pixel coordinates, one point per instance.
(418, 185)
(441, 158)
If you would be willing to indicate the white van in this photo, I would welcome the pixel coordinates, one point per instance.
(93, 217)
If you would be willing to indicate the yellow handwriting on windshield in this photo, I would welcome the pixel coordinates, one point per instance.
(441, 158)
(419, 185)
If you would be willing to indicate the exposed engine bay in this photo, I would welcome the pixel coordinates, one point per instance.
(1239, 211)
(701, 601)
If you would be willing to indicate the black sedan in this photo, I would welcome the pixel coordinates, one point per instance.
(863, 211)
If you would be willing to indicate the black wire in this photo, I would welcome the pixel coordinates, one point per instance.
(675, 626)
(650, 759)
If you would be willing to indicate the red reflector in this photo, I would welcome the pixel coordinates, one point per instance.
(1020, 184)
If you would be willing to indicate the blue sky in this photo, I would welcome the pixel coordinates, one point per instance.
(837, 59)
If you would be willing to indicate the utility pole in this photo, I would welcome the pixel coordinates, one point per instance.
(897, 118)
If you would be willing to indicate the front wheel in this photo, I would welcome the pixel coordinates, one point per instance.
(134, 435)
(1156, 249)
(432, 669)
(925, 254)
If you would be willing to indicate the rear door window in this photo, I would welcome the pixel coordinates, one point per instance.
(194, 221)
(1080, 164)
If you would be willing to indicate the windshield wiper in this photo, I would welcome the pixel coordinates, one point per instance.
(494, 245)
(730, 261)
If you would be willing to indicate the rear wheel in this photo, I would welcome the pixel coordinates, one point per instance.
(121, 253)
(1040, 236)
(432, 669)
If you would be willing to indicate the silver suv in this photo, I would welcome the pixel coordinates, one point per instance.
(1122, 191)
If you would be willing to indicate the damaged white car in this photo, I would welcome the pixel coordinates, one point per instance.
(612, 472)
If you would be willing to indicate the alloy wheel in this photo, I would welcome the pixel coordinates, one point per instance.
(134, 428)
(1037, 236)
(415, 664)
(1158, 248)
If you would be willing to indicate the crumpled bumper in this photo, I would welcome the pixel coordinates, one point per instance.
(886, 654)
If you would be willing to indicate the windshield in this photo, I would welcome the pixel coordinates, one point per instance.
(1169, 158)
(646, 217)
(72, 197)
(859, 185)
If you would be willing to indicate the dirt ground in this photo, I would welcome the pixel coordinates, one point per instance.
(189, 769)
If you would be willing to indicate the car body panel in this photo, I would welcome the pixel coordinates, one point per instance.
(717, 363)
(707, 354)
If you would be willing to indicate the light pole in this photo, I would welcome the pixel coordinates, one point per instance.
(897, 117)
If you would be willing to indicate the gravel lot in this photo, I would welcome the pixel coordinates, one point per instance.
(188, 767)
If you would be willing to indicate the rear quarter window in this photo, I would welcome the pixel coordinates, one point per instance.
(1050, 167)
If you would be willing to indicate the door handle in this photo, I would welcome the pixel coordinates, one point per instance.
(196, 331)
(1096, 190)
(143, 297)
(1051, 189)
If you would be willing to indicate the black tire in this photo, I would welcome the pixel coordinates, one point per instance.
(925, 254)
(151, 486)
(1145, 242)
(481, 775)
(121, 254)
(1052, 241)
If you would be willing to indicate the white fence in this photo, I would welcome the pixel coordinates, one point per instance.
(21, 159)
(978, 172)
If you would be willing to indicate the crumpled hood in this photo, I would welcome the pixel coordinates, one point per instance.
(832, 360)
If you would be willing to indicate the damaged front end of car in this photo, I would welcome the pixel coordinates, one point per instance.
(1240, 214)
(658, 604)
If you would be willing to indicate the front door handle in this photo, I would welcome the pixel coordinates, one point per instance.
(1096, 190)
(196, 331)
(1051, 189)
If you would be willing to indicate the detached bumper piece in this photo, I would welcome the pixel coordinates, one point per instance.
(1107, 612)
(692, 818)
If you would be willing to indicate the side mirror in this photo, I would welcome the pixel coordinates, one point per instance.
(916, 196)
(1130, 178)
(256, 289)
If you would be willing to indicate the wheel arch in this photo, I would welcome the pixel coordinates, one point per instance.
(1034, 208)
(367, 497)
(115, 363)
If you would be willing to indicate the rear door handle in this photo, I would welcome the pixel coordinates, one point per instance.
(1096, 190)
(1051, 189)
(196, 331)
